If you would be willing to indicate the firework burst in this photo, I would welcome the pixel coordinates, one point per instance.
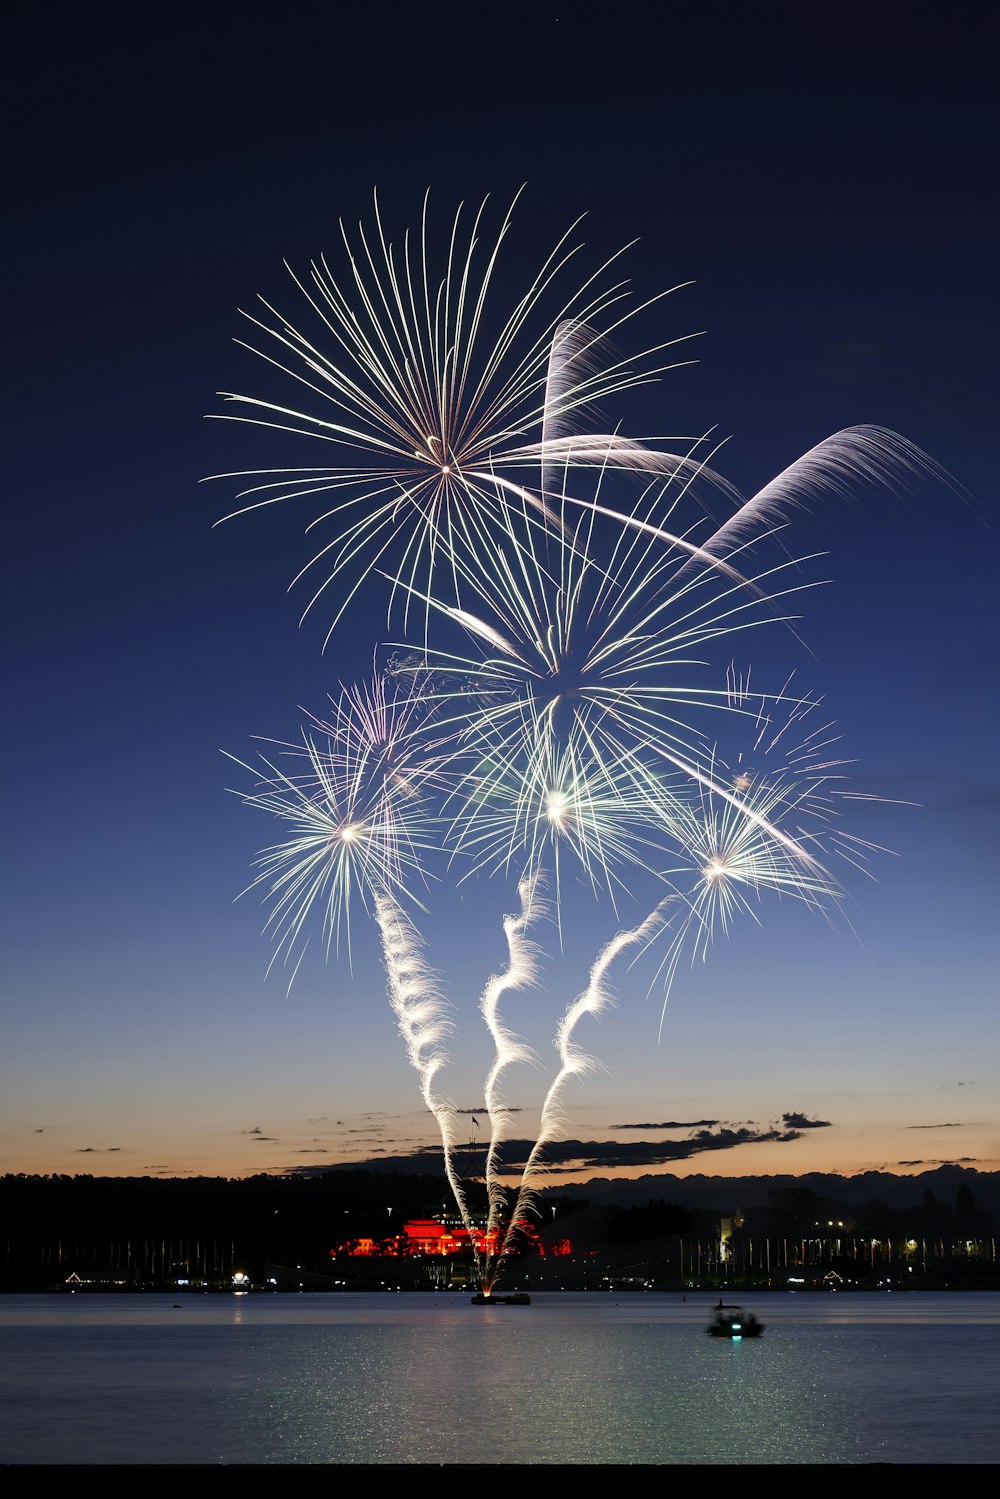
(426, 395)
(766, 834)
(561, 716)
(551, 811)
(355, 801)
(579, 701)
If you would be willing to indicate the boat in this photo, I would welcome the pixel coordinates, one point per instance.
(732, 1321)
(516, 1298)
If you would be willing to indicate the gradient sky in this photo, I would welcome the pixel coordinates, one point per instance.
(828, 190)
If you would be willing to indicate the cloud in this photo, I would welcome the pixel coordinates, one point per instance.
(673, 1124)
(658, 1153)
(97, 1149)
(503, 1109)
(800, 1121)
(951, 1124)
(564, 1156)
(963, 1160)
(265, 1139)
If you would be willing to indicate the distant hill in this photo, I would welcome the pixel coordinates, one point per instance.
(724, 1193)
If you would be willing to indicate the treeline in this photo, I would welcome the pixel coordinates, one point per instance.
(633, 1225)
(54, 1224)
(150, 1230)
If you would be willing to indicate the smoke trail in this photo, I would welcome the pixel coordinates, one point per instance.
(521, 971)
(573, 1061)
(420, 1013)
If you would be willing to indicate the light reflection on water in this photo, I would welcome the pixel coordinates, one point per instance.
(431, 1379)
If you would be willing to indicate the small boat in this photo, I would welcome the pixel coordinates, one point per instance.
(732, 1321)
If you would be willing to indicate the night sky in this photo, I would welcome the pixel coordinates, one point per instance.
(825, 177)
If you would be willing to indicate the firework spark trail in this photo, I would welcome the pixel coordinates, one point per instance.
(423, 1023)
(521, 970)
(573, 1061)
(864, 454)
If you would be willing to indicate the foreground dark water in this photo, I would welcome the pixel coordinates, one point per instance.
(431, 1379)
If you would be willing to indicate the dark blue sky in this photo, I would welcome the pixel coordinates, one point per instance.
(826, 178)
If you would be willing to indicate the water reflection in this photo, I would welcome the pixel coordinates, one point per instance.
(572, 1379)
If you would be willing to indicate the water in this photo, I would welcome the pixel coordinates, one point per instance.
(431, 1379)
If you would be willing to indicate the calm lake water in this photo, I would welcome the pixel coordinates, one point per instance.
(432, 1379)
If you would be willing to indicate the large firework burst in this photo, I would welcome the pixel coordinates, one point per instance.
(425, 395)
(566, 708)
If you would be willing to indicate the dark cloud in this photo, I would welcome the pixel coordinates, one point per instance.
(303, 1151)
(504, 1109)
(951, 1124)
(658, 1153)
(801, 1121)
(575, 1155)
(265, 1139)
(38, 1132)
(963, 1160)
(255, 1131)
(97, 1149)
(673, 1124)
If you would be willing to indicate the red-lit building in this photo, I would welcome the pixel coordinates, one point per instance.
(431, 1236)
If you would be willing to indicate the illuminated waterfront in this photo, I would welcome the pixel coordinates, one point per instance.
(424, 1378)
